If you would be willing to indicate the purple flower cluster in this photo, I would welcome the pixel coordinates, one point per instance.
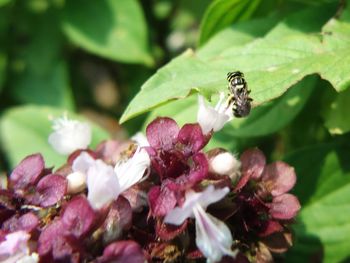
(174, 202)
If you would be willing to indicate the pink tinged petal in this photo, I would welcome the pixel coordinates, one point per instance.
(278, 178)
(192, 138)
(253, 163)
(285, 206)
(28, 171)
(14, 243)
(83, 162)
(78, 217)
(50, 190)
(123, 251)
(213, 237)
(26, 222)
(271, 227)
(119, 218)
(212, 119)
(69, 135)
(131, 171)
(161, 200)
(210, 195)
(48, 237)
(103, 185)
(162, 133)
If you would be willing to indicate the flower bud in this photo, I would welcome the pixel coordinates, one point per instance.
(224, 163)
(76, 182)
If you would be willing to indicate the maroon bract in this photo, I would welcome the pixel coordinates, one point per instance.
(123, 251)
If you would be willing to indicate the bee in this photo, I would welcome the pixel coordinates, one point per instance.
(239, 94)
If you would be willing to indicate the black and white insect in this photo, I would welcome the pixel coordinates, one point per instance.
(239, 94)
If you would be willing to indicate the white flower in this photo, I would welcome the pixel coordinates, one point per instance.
(15, 249)
(210, 118)
(104, 182)
(213, 237)
(69, 135)
(140, 139)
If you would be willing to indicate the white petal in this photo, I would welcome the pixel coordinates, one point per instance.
(76, 182)
(14, 247)
(210, 118)
(69, 135)
(210, 195)
(213, 237)
(140, 139)
(33, 258)
(131, 171)
(103, 185)
(83, 162)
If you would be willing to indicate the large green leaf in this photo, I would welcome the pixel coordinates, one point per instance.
(108, 28)
(4, 2)
(263, 120)
(222, 13)
(271, 64)
(40, 75)
(25, 130)
(323, 187)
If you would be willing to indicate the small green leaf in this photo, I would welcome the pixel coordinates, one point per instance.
(222, 13)
(119, 33)
(323, 187)
(270, 66)
(25, 130)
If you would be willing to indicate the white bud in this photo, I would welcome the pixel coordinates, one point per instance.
(76, 182)
(225, 163)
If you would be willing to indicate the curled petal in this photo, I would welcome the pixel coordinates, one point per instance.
(253, 163)
(69, 135)
(131, 171)
(123, 251)
(28, 171)
(278, 178)
(213, 237)
(285, 206)
(212, 119)
(103, 185)
(50, 190)
(162, 133)
(140, 139)
(192, 138)
(15, 244)
(83, 162)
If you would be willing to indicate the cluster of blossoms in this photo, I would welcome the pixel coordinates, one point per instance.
(154, 199)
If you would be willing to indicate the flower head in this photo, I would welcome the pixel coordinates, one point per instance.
(213, 237)
(213, 119)
(69, 135)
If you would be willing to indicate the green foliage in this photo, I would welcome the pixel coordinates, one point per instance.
(271, 64)
(323, 187)
(25, 130)
(119, 33)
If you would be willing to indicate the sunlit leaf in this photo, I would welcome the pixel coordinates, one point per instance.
(119, 33)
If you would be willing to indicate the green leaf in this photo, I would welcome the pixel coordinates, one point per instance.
(25, 130)
(222, 13)
(2, 68)
(40, 75)
(270, 66)
(4, 2)
(323, 187)
(337, 116)
(119, 33)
